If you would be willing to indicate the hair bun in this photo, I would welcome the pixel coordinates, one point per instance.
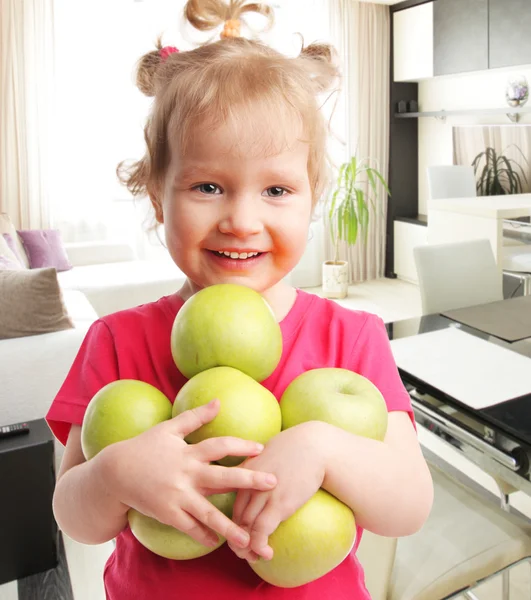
(320, 51)
(146, 70)
(324, 67)
(206, 15)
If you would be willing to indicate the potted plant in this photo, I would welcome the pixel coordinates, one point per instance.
(354, 192)
(499, 175)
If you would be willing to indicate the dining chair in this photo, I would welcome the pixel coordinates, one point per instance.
(451, 181)
(459, 181)
(456, 275)
(466, 540)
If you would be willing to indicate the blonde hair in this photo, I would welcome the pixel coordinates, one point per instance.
(230, 81)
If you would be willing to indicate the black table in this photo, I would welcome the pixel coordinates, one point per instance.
(497, 438)
(28, 531)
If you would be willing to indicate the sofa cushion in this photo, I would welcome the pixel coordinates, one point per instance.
(79, 308)
(12, 247)
(8, 259)
(81, 254)
(6, 262)
(116, 286)
(31, 303)
(44, 248)
(7, 227)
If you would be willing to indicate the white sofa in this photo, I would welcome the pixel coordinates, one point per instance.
(33, 368)
(113, 279)
(105, 278)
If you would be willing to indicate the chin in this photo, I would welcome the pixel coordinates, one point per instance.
(258, 284)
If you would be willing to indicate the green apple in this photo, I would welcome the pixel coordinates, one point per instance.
(121, 410)
(339, 397)
(226, 325)
(247, 409)
(169, 542)
(310, 543)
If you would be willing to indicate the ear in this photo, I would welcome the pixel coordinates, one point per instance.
(157, 207)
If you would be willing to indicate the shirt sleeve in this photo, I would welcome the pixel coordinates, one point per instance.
(95, 365)
(373, 358)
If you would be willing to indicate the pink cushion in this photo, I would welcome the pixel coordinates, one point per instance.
(44, 248)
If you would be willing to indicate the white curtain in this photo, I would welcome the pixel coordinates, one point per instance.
(100, 115)
(361, 33)
(26, 101)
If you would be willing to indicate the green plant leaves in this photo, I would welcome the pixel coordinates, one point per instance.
(357, 188)
(499, 175)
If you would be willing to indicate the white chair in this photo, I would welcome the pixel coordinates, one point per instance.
(457, 275)
(451, 181)
(459, 181)
(466, 540)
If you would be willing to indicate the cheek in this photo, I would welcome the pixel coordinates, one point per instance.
(181, 227)
(293, 235)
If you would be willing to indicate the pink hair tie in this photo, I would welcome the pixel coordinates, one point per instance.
(166, 51)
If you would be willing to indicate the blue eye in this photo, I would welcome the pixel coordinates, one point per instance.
(275, 192)
(208, 188)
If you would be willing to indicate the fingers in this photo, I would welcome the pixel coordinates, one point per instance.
(260, 520)
(252, 557)
(217, 448)
(196, 530)
(254, 507)
(193, 419)
(207, 514)
(234, 478)
(245, 553)
(242, 499)
(240, 504)
(247, 508)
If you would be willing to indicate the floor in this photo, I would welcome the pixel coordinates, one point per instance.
(392, 300)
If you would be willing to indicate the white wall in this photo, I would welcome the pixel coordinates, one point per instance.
(468, 91)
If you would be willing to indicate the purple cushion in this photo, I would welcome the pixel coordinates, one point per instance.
(12, 246)
(44, 248)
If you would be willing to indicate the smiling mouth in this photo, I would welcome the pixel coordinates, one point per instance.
(236, 255)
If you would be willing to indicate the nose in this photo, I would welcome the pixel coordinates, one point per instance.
(241, 218)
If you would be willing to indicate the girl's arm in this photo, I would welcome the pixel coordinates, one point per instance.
(83, 507)
(387, 484)
(158, 474)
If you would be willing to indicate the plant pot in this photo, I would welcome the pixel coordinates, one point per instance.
(335, 279)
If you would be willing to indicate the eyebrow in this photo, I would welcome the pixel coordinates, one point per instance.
(203, 171)
(195, 170)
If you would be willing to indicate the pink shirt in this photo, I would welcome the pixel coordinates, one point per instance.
(135, 344)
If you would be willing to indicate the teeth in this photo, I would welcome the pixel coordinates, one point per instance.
(241, 256)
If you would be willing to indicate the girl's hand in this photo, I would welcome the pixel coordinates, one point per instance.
(296, 459)
(161, 476)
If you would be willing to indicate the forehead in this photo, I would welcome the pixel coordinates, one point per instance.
(223, 145)
(248, 131)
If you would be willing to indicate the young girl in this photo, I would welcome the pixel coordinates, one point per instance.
(234, 166)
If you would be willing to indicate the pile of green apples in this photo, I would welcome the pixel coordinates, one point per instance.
(226, 341)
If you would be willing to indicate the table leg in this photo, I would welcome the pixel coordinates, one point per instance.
(506, 575)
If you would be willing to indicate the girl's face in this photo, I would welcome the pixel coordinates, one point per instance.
(232, 215)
